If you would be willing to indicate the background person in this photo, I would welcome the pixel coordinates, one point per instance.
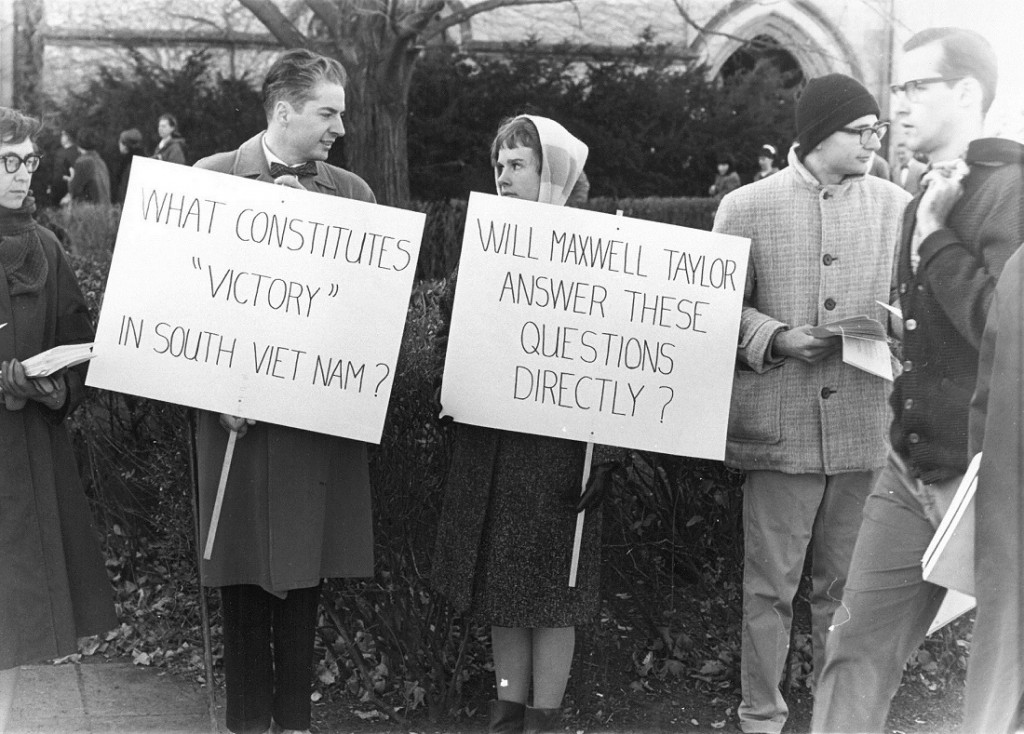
(505, 536)
(808, 429)
(129, 145)
(766, 162)
(53, 583)
(90, 177)
(63, 163)
(171, 147)
(727, 179)
(908, 170)
(297, 505)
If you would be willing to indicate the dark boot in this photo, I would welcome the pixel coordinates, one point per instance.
(542, 721)
(506, 716)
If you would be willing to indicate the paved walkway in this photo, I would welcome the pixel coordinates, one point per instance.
(107, 698)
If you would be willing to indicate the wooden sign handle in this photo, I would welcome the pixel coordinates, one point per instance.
(211, 534)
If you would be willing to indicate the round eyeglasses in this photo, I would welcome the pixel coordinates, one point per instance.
(879, 129)
(13, 161)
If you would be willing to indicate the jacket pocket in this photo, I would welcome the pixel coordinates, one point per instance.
(755, 415)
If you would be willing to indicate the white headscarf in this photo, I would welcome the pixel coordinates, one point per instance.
(562, 158)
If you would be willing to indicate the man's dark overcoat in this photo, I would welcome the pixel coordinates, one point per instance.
(297, 504)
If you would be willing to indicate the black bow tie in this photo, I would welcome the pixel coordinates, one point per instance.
(305, 169)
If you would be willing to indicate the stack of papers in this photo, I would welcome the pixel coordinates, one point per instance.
(949, 558)
(56, 359)
(864, 344)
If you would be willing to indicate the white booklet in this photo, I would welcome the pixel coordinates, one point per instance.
(56, 359)
(949, 559)
(864, 344)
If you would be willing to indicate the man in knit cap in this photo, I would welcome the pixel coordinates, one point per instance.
(958, 233)
(808, 429)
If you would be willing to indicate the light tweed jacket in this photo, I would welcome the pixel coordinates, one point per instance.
(819, 253)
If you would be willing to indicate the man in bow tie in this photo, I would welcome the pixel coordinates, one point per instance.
(297, 506)
(957, 235)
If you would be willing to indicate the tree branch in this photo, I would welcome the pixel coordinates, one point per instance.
(440, 25)
(413, 22)
(279, 26)
(702, 29)
(327, 12)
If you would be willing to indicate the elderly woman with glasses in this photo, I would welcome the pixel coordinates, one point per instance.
(53, 584)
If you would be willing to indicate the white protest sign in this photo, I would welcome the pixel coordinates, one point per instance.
(587, 326)
(261, 301)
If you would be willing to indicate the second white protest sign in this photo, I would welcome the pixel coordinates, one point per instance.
(587, 326)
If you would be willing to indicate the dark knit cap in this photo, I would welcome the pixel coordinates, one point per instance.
(828, 103)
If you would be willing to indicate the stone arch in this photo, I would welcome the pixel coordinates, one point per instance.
(817, 45)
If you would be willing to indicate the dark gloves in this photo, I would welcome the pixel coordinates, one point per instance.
(599, 484)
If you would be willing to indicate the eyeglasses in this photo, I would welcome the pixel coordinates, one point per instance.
(12, 162)
(913, 88)
(879, 129)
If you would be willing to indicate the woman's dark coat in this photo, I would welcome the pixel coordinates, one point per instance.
(53, 583)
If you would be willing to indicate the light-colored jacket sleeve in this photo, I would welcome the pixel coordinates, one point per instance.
(757, 330)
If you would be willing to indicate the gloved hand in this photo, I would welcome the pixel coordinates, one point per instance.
(598, 485)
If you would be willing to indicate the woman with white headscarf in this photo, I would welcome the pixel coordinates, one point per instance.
(506, 533)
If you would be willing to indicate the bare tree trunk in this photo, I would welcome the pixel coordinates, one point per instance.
(378, 105)
(28, 56)
(375, 141)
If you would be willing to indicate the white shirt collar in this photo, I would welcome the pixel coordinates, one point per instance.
(271, 158)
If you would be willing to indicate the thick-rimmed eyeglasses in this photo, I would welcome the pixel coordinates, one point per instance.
(13, 161)
(879, 129)
(913, 88)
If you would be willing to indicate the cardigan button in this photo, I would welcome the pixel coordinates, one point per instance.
(827, 259)
(826, 195)
(903, 288)
(911, 324)
(913, 438)
(908, 404)
(907, 365)
(830, 303)
(827, 392)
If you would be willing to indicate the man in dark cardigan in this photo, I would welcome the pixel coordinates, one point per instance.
(297, 505)
(957, 236)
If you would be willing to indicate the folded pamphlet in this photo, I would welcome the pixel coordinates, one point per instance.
(864, 344)
(949, 558)
(56, 359)
(856, 327)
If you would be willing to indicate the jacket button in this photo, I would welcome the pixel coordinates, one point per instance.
(911, 324)
(826, 392)
(908, 404)
(830, 303)
(826, 195)
(913, 438)
(907, 365)
(827, 259)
